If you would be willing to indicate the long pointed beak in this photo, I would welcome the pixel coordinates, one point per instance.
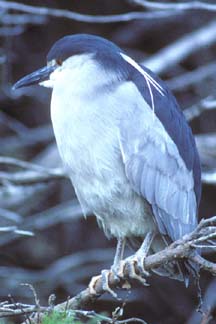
(35, 77)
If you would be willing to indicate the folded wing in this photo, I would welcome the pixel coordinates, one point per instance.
(161, 166)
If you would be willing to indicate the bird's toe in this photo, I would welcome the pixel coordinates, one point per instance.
(134, 266)
(92, 285)
(105, 283)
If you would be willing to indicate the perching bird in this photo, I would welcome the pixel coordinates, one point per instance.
(124, 141)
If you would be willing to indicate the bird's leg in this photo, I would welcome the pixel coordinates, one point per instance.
(142, 253)
(137, 261)
(132, 263)
(118, 256)
(114, 269)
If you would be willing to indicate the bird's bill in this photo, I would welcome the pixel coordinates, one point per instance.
(35, 77)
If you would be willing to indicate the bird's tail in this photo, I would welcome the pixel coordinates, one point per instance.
(181, 270)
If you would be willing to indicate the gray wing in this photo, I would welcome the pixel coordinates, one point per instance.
(156, 170)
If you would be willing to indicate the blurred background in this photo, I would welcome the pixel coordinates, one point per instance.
(67, 250)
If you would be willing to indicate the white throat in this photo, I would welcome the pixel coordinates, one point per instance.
(72, 65)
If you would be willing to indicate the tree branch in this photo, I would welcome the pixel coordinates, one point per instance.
(34, 173)
(181, 249)
(22, 19)
(192, 5)
(182, 48)
(31, 177)
(192, 78)
(194, 111)
(10, 161)
(100, 19)
(209, 177)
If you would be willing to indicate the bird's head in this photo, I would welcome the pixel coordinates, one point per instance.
(71, 51)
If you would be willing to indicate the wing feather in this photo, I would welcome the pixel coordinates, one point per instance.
(157, 171)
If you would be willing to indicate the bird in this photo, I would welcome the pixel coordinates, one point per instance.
(125, 144)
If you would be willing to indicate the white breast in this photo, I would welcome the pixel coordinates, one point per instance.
(85, 119)
(85, 130)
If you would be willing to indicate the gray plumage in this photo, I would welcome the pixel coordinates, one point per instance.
(125, 143)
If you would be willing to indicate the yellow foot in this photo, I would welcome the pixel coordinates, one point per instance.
(105, 278)
(105, 283)
(135, 269)
(93, 284)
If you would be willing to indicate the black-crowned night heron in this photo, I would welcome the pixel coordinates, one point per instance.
(125, 143)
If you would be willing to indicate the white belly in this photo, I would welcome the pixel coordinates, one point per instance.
(119, 210)
(86, 131)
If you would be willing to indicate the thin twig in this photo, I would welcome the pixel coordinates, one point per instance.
(10, 161)
(14, 229)
(31, 176)
(8, 310)
(209, 303)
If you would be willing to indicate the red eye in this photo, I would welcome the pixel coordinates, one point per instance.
(59, 61)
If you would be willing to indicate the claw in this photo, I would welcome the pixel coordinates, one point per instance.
(92, 285)
(140, 261)
(132, 264)
(105, 284)
(118, 271)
